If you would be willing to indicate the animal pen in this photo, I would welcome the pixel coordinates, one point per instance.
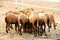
(14, 5)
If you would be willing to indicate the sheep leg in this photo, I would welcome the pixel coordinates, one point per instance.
(49, 27)
(45, 29)
(25, 28)
(35, 32)
(20, 30)
(48, 24)
(6, 28)
(54, 24)
(40, 30)
(11, 26)
(15, 27)
(28, 29)
(31, 28)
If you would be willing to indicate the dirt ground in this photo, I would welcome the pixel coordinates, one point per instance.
(12, 35)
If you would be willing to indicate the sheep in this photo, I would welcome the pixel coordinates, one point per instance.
(33, 23)
(28, 12)
(22, 22)
(9, 13)
(11, 18)
(42, 21)
(50, 20)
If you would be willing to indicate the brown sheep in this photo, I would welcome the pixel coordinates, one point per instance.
(27, 12)
(13, 12)
(42, 21)
(22, 22)
(11, 18)
(33, 23)
(50, 20)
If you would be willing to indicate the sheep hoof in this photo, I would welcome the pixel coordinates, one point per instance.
(6, 31)
(45, 34)
(18, 31)
(15, 30)
(20, 34)
(11, 27)
(48, 30)
(55, 28)
(35, 35)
